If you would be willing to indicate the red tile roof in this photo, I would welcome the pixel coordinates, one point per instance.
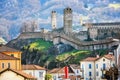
(109, 56)
(90, 59)
(74, 66)
(4, 48)
(27, 76)
(32, 67)
(60, 70)
(7, 57)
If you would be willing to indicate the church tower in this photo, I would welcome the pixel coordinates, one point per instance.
(68, 20)
(53, 20)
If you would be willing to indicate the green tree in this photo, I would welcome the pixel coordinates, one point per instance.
(48, 77)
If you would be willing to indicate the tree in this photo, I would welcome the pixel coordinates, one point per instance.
(48, 77)
(112, 74)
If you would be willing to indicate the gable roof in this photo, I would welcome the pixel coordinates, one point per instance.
(107, 56)
(32, 67)
(27, 76)
(4, 48)
(89, 59)
(61, 70)
(74, 66)
(7, 57)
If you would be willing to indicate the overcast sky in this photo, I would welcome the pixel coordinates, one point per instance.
(14, 12)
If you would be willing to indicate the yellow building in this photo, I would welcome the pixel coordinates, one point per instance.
(10, 58)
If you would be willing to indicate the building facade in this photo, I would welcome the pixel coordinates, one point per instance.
(35, 70)
(10, 57)
(93, 68)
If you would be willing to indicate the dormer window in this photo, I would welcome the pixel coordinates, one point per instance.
(103, 59)
(12, 55)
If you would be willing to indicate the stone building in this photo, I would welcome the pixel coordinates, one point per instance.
(100, 31)
(53, 20)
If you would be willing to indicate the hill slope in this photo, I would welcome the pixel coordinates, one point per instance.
(44, 53)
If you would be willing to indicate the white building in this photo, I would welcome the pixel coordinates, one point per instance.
(35, 70)
(10, 74)
(93, 68)
(117, 59)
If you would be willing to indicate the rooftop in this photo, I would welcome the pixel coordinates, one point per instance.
(32, 67)
(5, 48)
(19, 73)
(75, 66)
(90, 59)
(7, 57)
(61, 70)
(108, 56)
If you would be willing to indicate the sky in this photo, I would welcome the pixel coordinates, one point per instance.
(13, 13)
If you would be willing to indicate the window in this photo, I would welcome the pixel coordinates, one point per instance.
(77, 71)
(103, 59)
(30, 73)
(12, 55)
(90, 73)
(96, 66)
(40, 74)
(104, 66)
(2, 65)
(90, 66)
(97, 73)
(8, 65)
(82, 66)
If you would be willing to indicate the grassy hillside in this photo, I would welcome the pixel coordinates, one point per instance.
(77, 55)
(44, 53)
(40, 45)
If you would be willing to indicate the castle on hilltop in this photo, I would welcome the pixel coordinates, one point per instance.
(97, 36)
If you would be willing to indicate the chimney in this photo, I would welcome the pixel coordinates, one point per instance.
(97, 56)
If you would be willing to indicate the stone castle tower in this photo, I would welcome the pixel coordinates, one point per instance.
(53, 20)
(68, 20)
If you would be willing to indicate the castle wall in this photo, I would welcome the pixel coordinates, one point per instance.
(28, 35)
(82, 45)
(104, 30)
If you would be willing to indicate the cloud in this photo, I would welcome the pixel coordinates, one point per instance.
(115, 6)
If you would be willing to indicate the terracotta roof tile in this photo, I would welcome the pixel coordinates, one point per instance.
(60, 70)
(32, 67)
(5, 48)
(20, 73)
(90, 59)
(75, 66)
(109, 56)
(7, 57)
